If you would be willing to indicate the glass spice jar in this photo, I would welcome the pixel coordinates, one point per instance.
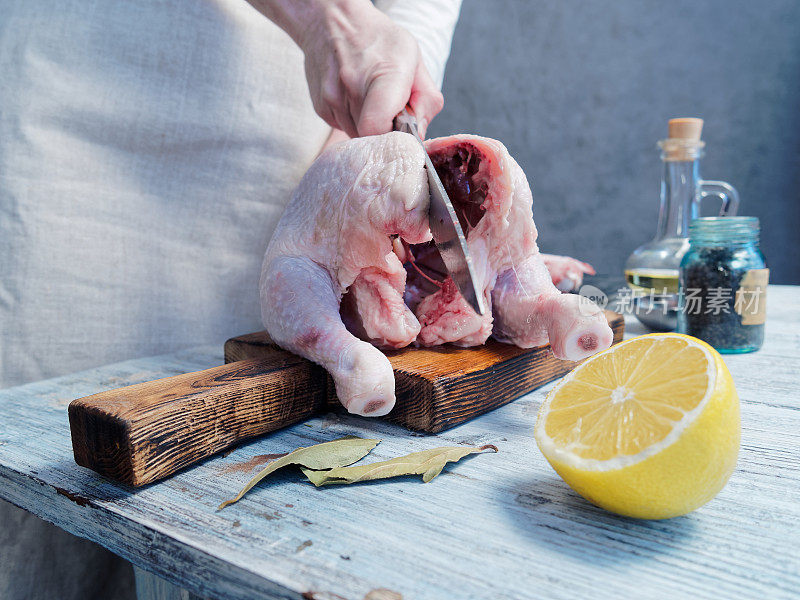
(723, 284)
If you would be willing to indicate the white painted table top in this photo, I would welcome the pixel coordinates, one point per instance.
(499, 526)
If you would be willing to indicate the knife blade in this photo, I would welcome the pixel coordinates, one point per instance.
(445, 228)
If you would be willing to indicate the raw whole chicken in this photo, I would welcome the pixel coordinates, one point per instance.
(351, 264)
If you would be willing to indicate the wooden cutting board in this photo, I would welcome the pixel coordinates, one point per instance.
(141, 433)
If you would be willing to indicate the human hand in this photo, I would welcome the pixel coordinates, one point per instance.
(362, 68)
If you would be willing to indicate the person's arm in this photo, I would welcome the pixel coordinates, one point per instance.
(361, 67)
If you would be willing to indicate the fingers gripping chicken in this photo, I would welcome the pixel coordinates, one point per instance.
(351, 257)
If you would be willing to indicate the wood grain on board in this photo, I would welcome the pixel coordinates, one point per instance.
(144, 432)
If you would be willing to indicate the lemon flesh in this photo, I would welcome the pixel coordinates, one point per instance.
(648, 428)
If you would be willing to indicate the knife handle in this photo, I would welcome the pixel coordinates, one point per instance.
(406, 122)
(144, 432)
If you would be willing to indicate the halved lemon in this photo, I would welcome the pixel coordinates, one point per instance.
(648, 428)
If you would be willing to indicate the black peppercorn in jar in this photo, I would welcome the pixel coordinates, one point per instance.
(723, 284)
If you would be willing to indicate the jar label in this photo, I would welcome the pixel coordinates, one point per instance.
(751, 297)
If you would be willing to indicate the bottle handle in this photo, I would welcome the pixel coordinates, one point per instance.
(726, 193)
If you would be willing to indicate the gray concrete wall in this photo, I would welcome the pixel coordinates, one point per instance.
(581, 90)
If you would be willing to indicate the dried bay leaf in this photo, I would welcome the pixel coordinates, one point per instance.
(327, 455)
(428, 463)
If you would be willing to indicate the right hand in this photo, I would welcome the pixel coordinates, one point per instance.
(362, 69)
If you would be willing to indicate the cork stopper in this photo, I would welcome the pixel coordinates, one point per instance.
(685, 128)
(683, 142)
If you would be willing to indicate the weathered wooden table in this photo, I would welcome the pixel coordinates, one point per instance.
(495, 526)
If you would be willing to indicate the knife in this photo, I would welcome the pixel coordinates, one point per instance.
(447, 233)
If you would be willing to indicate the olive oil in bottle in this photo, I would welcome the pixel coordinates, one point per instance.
(661, 281)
